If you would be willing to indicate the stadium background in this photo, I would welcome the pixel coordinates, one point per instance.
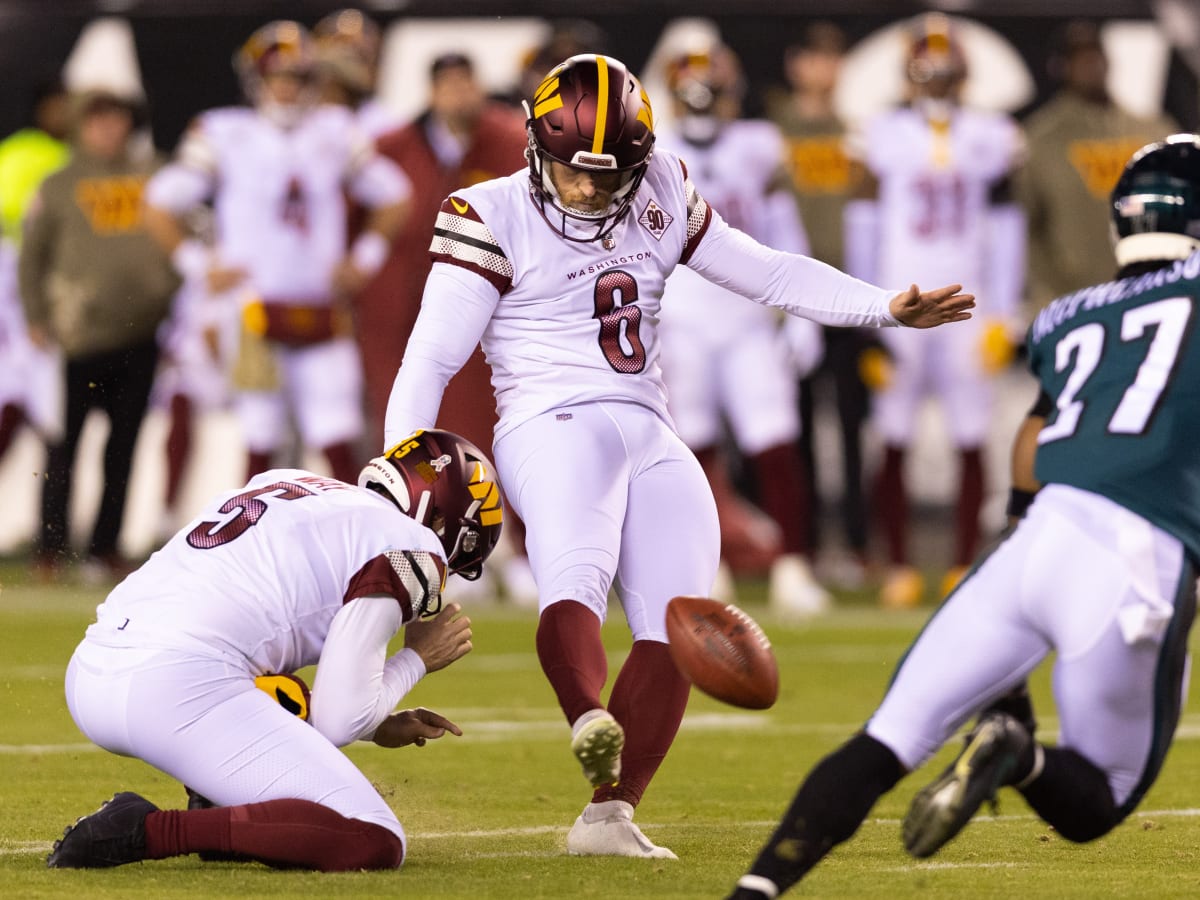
(183, 50)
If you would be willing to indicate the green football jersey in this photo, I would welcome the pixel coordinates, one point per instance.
(1121, 361)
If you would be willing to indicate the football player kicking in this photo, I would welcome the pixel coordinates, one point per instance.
(1101, 570)
(291, 570)
(559, 271)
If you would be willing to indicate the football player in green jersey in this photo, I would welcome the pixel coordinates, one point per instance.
(1100, 570)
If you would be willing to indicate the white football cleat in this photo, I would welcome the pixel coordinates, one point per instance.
(607, 829)
(792, 590)
(597, 740)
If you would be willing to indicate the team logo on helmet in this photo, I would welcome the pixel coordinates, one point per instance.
(444, 482)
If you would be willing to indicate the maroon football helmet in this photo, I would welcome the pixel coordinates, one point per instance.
(446, 483)
(591, 113)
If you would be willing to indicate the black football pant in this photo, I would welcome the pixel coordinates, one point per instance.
(117, 382)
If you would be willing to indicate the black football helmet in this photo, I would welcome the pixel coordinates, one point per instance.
(447, 484)
(1156, 202)
(589, 112)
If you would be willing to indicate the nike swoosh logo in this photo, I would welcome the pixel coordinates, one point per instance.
(458, 205)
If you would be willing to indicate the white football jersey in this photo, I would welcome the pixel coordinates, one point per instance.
(934, 187)
(375, 119)
(278, 193)
(258, 576)
(737, 173)
(575, 319)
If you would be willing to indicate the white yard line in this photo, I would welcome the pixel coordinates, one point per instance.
(21, 848)
(547, 729)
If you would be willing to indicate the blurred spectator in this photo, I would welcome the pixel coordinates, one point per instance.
(724, 357)
(29, 155)
(462, 138)
(94, 283)
(936, 208)
(821, 180)
(1079, 141)
(278, 175)
(347, 49)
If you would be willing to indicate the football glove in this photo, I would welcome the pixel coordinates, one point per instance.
(996, 347)
(875, 368)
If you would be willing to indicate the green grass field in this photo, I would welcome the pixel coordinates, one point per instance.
(487, 814)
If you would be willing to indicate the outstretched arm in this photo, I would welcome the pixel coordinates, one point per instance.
(805, 287)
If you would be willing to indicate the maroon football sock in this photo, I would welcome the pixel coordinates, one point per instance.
(11, 418)
(341, 462)
(970, 502)
(782, 493)
(891, 504)
(648, 699)
(572, 656)
(257, 462)
(179, 446)
(282, 833)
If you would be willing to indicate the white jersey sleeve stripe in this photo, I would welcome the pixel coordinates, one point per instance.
(461, 238)
(699, 215)
(414, 578)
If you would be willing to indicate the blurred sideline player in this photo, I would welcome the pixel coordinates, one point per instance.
(277, 175)
(346, 44)
(1100, 571)
(724, 357)
(29, 390)
(938, 179)
(198, 343)
(558, 270)
(292, 570)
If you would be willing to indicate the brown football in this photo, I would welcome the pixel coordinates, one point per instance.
(722, 651)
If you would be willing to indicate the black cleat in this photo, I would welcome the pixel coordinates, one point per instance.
(991, 758)
(113, 835)
(1018, 704)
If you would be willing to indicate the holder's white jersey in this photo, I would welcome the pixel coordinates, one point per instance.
(279, 194)
(258, 576)
(934, 187)
(565, 322)
(739, 176)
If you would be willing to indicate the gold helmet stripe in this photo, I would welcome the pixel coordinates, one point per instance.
(547, 97)
(601, 105)
(646, 114)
